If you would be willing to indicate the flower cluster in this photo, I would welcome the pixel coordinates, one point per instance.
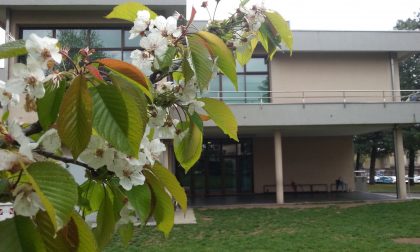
(100, 154)
(245, 24)
(156, 35)
(43, 55)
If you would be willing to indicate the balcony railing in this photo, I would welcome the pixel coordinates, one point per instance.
(315, 96)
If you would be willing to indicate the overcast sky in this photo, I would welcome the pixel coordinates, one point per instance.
(373, 15)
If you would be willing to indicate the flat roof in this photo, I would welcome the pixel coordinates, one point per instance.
(12, 3)
(360, 41)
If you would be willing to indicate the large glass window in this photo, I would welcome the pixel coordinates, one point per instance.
(253, 84)
(109, 42)
(225, 168)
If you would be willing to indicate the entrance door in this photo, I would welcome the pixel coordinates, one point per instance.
(225, 168)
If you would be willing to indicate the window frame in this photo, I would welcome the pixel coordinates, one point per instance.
(246, 73)
(89, 29)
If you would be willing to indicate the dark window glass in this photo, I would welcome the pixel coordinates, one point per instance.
(105, 38)
(73, 38)
(256, 65)
(230, 95)
(41, 33)
(253, 84)
(256, 85)
(135, 42)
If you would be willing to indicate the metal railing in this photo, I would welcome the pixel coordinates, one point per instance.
(315, 96)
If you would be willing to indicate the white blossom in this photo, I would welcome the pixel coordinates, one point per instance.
(152, 149)
(141, 23)
(26, 145)
(6, 97)
(188, 92)
(254, 17)
(166, 26)
(195, 106)
(163, 87)
(97, 154)
(50, 141)
(157, 117)
(129, 172)
(142, 60)
(128, 215)
(26, 77)
(156, 43)
(27, 202)
(43, 50)
(168, 131)
(10, 159)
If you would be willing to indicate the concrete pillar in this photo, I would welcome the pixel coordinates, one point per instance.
(278, 155)
(399, 163)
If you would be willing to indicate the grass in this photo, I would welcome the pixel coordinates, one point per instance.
(362, 228)
(385, 188)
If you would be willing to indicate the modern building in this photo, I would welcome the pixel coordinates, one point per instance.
(296, 114)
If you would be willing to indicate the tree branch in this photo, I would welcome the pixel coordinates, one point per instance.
(33, 129)
(64, 159)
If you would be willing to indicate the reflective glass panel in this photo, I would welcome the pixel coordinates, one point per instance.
(105, 38)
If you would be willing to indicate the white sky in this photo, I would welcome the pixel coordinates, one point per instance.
(373, 15)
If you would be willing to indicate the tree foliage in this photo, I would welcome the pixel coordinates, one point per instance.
(109, 117)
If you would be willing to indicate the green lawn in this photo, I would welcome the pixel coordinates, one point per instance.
(361, 228)
(379, 188)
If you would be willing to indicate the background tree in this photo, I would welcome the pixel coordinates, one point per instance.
(410, 79)
(377, 144)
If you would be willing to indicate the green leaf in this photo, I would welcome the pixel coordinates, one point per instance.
(188, 149)
(126, 233)
(140, 198)
(171, 183)
(164, 210)
(222, 116)
(75, 117)
(92, 191)
(128, 11)
(137, 94)
(105, 222)
(116, 118)
(245, 55)
(13, 49)
(225, 60)
(129, 72)
(177, 76)
(187, 71)
(56, 188)
(134, 85)
(201, 62)
(87, 242)
(267, 40)
(53, 241)
(166, 60)
(196, 119)
(49, 105)
(282, 27)
(19, 234)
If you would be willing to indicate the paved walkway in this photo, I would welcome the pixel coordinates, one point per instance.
(255, 199)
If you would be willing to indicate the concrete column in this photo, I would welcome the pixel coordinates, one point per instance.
(278, 155)
(399, 164)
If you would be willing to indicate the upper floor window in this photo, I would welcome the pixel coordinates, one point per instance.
(108, 42)
(253, 84)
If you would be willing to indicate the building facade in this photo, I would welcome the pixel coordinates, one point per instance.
(296, 114)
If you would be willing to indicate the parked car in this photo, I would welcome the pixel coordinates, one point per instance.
(385, 180)
(413, 97)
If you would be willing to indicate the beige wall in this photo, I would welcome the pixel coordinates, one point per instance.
(264, 173)
(318, 160)
(306, 160)
(331, 71)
